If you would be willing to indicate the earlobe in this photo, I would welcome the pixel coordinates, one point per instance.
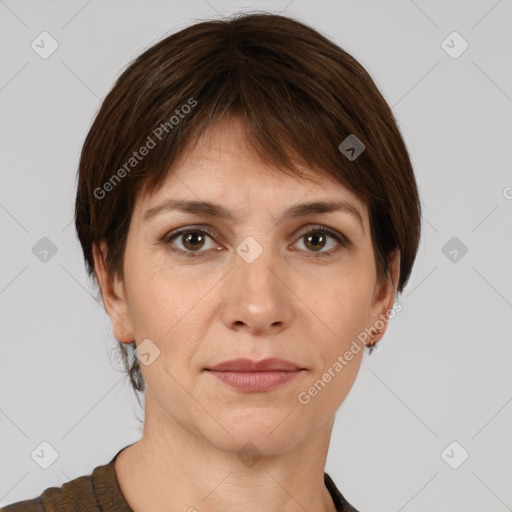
(113, 295)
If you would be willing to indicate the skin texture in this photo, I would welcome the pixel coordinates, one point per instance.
(214, 307)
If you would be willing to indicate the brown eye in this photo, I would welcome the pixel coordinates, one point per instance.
(189, 242)
(193, 241)
(315, 241)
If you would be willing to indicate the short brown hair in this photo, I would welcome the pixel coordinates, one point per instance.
(299, 95)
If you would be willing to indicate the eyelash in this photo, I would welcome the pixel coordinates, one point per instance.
(168, 238)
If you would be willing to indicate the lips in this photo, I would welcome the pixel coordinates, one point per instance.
(255, 376)
(248, 365)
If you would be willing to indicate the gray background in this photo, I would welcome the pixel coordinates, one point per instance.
(443, 371)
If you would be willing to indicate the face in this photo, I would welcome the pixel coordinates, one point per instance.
(254, 284)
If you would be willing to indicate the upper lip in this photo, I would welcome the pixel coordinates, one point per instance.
(248, 365)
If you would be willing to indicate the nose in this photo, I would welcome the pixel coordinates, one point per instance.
(256, 295)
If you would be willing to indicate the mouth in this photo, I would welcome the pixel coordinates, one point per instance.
(255, 376)
(248, 365)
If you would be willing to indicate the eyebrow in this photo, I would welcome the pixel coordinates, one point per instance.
(210, 209)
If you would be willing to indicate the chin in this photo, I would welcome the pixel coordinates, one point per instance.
(265, 433)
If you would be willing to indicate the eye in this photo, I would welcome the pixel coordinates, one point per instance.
(316, 238)
(193, 241)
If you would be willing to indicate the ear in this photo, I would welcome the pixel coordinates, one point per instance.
(384, 298)
(113, 294)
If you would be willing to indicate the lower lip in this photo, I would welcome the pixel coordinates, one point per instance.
(255, 381)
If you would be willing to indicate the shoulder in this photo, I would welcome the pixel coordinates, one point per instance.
(342, 505)
(78, 494)
(96, 492)
(35, 505)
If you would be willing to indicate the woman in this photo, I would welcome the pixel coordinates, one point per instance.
(248, 208)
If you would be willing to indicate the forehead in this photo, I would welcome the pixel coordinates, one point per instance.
(223, 167)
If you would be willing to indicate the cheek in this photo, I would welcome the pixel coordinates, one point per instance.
(340, 352)
(343, 301)
(340, 309)
(158, 304)
(168, 303)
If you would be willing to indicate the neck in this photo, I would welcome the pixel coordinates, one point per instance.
(173, 467)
